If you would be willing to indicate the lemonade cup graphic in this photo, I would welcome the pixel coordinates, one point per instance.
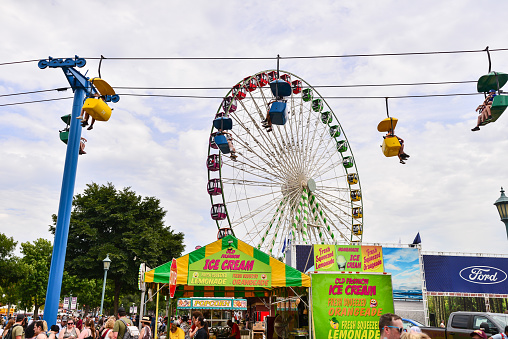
(341, 261)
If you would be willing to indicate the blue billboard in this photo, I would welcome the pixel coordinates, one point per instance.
(465, 274)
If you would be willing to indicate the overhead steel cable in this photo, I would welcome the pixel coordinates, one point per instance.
(276, 57)
(39, 91)
(325, 97)
(31, 102)
(61, 89)
(319, 86)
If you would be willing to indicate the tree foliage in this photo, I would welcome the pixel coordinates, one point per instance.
(35, 266)
(10, 273)
(124, 225)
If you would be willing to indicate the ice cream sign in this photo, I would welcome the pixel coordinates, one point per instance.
(348, 258)
(230, 267)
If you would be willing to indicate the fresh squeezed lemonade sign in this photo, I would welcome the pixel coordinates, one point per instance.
(348, 258)
(230, 267)
(348, 306)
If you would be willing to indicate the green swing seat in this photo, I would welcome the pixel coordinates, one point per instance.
(494, 81)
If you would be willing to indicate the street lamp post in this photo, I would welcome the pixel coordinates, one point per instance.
(502, 208)
(107, 263)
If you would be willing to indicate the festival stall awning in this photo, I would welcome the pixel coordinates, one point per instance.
(228, 267)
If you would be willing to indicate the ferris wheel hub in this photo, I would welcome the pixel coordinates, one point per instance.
(311, 185)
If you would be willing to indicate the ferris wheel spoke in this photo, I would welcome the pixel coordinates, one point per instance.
(246, 182)
(248, 148)
(340, 219)
(271, 158)
(321, 170)
(252, 167)
(260, 209)
(333, 189)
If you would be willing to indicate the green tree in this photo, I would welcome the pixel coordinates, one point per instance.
(88, 291)
(124, 225)
(35, 265)
(10, 274)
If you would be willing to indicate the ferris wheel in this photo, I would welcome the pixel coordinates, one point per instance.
(280, 168)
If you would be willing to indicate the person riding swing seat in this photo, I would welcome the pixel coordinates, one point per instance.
(392, 144)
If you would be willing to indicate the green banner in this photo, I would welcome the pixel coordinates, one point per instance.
(348, 258)
(230, 267)
(349, 305)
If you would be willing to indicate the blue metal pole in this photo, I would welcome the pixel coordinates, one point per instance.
(64, 212)
(103, 289)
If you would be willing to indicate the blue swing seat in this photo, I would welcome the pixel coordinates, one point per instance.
(280, 88)
(223, 123)
(222, 142)
(278, 113)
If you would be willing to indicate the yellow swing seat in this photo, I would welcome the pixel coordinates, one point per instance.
(97, 108)
(102, 86)
(391, 146)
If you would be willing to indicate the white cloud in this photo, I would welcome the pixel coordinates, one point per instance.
(158, 145)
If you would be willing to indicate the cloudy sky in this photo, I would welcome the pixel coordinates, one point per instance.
(158, 146)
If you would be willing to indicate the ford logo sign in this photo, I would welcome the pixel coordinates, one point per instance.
(483, 275)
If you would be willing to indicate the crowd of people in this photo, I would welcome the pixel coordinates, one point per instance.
(21, 327)
(67, 327)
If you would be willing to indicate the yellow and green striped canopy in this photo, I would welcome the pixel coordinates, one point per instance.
(282, 275)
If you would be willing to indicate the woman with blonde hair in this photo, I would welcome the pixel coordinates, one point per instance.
(107, 332)
(39, 331)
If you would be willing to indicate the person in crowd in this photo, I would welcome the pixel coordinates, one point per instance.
(202, 326)
(235, 330)
(7, 327)
(478, 334)
(88, 331)
(184, 325)
(79, 324)
(121, 324)
(100, 325)
(414, 335)
(30, 330)
(176, 332)
(501, 335)
(53, 332)
(390, 326)
(70, 331)
(39, 331)
(63, 324)
(18, 328)
(146, 332)
(107, 332)
(194, 329)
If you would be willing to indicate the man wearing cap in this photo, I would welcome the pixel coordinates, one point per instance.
(120, 327)
(17, 329)
(390, 326)
(501, 335)
(63, 323)
(478, 334)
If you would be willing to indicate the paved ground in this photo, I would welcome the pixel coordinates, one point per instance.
(410, 310)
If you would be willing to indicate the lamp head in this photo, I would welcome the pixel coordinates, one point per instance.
(106, 262)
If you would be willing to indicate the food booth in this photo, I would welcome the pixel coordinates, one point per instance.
(230, 269)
